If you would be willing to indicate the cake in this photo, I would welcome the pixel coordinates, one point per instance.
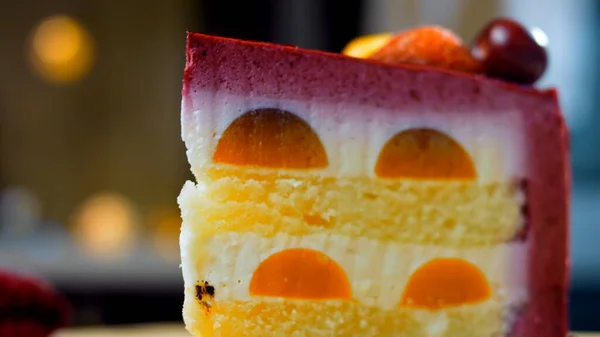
(344, 196)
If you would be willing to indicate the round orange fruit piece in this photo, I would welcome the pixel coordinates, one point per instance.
(300, 273)
(445, 282)
(430, 45)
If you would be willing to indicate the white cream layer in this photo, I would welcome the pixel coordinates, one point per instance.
(353, 135)
(377, 272)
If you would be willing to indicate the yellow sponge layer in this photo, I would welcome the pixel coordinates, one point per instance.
(456, 213)
(260, 318)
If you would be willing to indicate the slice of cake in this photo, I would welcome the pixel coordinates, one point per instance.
(339, 196)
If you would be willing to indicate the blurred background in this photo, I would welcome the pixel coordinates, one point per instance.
(91, 160)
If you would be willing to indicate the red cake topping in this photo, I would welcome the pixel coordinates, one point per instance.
(271, 71)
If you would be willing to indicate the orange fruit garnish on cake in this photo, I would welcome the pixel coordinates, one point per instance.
(364, 46)
(432, 46)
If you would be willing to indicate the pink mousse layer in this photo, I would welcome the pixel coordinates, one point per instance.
(224, 65)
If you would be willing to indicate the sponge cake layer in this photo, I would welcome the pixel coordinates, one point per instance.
(449, 212)
(342, 319)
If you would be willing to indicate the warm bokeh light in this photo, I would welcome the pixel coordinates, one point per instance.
(166, 224)
(105, 225)
(61, 49)
(301, 274)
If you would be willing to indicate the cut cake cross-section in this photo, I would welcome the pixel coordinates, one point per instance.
(337, 196)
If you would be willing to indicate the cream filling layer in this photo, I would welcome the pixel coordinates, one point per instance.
(353, 135)
(378, 272)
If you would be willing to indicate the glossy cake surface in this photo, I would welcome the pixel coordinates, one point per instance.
(345, 197)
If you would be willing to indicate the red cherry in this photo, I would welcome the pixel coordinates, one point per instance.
(509, 51)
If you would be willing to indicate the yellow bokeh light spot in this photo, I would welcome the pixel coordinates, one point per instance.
(105, 225)
(61, 49)
(166, 225)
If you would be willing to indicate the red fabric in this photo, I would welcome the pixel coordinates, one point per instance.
(30, 307)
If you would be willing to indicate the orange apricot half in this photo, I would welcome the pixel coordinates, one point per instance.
(445, 282)
(424, 154)
(271, 138)
(300, 273)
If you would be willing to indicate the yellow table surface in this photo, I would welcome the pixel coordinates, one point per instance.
(167, 330)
